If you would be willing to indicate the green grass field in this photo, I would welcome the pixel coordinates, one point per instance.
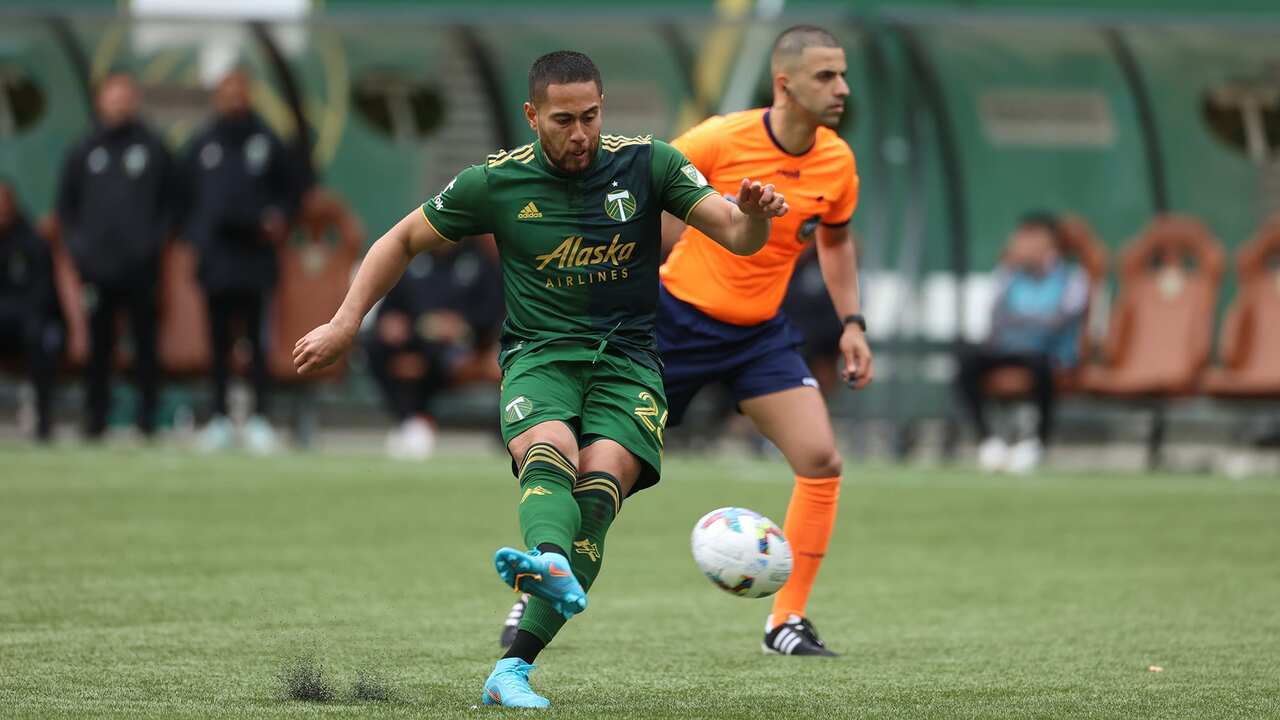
(165, 585)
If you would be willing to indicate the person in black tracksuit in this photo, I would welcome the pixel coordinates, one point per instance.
(808, 306)
(118, 199)
(29, 315)
(448, 304)
(243, 194)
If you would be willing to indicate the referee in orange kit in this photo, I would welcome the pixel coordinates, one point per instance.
(718, 313)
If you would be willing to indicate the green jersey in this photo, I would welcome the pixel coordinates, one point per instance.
(579, 252)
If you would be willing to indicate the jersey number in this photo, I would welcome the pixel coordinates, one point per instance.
(648, 414)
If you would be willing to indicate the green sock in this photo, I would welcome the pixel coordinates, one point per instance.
(548, 511)
(599, 500)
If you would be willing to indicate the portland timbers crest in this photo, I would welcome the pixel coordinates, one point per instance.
(518, 409)
(620, 204)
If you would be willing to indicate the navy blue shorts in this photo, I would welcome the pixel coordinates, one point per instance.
(751, 360)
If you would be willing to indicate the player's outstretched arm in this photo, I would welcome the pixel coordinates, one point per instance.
(742, 228)
(381, 269)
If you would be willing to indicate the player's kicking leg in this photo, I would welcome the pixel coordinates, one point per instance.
(619, 430)
(550, 519)
(607, 472)
(796, 421)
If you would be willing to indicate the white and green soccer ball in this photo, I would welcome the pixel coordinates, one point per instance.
(742, 552)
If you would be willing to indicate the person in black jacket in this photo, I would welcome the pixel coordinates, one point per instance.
(118, 199)
(447, 306)
(243, 194)
(29, 315)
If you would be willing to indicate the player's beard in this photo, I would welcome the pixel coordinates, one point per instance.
(568, 163)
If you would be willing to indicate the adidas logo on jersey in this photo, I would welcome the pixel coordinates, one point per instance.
(530, 212)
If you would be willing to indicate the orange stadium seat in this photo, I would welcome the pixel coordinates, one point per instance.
(1161, 331)
(182, 335)
(70, 294)
(314, 276)
(1249, 346)
(1081, 246)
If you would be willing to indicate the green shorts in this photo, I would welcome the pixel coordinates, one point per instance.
(611, 397)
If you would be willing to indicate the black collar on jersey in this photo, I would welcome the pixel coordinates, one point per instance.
(778, 145)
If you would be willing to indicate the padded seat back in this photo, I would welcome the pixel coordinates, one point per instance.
(1162, 329)
(182, 338)
(316, 266)
(1250, 342)
(70, 290)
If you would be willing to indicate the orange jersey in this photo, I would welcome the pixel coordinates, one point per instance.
(820, 186)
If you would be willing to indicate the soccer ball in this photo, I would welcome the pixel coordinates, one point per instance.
(742, 552)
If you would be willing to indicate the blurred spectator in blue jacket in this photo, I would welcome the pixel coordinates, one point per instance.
(1036, 323)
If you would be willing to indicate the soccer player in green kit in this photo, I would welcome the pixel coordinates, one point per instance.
(577, 218)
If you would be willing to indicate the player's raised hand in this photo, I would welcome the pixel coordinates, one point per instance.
(759, 200)
(321, 348)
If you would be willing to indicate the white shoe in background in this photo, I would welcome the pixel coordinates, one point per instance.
(1025, 456)
(414, 439)
(259, 436)
(993, 453)
(217, 436)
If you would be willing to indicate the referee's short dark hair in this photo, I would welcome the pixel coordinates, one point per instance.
(560, 68)
(791, 43)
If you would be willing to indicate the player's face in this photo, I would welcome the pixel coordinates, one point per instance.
(117, 100)
(1032, 247)
(817, 84)
(231, 97)
(567, 120)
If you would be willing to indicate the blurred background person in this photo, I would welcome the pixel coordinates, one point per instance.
(808, 306)
(1036, 323)
(118, 198)
(437, 327)
(30, 319)
(243, 196)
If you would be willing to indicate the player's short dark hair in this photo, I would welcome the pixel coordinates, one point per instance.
(560, 68)
(792, 42)
(1047, 221)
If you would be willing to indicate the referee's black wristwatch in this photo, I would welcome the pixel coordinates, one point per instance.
(855, 320)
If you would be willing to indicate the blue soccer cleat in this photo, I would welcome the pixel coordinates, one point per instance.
(547, 576)
(508, 686)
